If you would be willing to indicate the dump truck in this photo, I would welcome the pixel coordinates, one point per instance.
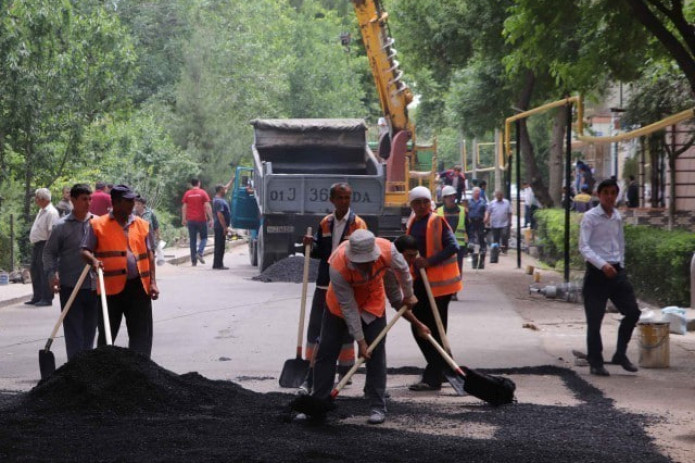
(295, 162)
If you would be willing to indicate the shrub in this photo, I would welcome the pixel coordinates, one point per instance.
(657, 261)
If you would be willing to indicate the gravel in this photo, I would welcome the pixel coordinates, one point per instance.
(288, 270)
(111, 404)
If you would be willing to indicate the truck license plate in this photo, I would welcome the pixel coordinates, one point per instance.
(280, 229)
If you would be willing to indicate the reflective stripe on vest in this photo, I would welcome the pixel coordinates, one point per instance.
(444, 277)
(326, 226)
(460, 232)
(112, 251)
(369, 291)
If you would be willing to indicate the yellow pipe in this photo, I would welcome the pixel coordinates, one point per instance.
(646, 130)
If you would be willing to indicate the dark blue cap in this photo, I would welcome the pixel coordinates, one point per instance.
(123, 191)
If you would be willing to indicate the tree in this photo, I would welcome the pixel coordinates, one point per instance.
(63, 69)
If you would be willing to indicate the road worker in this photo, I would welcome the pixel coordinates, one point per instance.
(437, 249)
(455, 215)
(356, 301)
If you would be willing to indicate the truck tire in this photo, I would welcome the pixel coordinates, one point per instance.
(253, 252)
(265, 257)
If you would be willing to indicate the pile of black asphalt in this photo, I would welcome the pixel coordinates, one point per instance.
(111, 404)
(288, 270)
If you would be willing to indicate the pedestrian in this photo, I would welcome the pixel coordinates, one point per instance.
(438, 248)
(123, 245)
(196, 214)
(499, 219)
(477, 207)
(582, 201)
(101, 200)
(62, 259)
(222, 218)
(331, 232)
(40, 231)
(632, 193)
(455, 178)
(483, 187)
(64, 206)
(356, 301)
(602, 244)
(455, 215)
(145, 213)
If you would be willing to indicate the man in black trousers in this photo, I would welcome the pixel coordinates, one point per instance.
(602, 244)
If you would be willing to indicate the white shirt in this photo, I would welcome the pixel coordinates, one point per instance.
(338, 229)
(601, 237)
(499, 213)
(43, 224)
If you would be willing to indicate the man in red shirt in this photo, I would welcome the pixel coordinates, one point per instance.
(196, 213)
(101, 200)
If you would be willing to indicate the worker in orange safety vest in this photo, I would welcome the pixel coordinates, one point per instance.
(438, 249)
(122, 244)
(356, 301)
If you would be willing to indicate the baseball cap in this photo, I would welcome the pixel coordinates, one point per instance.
(123, 191)
(419, 192)
(362, 247)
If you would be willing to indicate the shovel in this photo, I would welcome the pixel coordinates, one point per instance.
(314, 406)
(47, 362)
(294, 371)
(104, 308)
(495, 390)
(454, 379)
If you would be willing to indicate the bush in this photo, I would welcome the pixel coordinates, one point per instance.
(657, 261)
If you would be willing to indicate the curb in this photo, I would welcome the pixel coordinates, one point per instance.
(15, 300)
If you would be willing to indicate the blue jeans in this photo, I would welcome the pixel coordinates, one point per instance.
(196, 228)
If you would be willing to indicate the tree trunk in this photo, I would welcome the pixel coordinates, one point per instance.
(672, 190)
(654, 163)
(557, 156)
(527, 153)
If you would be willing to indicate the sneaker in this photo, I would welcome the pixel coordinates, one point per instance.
(200, 258)
(305, 388)
(376, 417)
(299, 418)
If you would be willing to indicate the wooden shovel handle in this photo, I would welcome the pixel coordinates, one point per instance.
(104, 308)
(68, 304)
(445, 355)
(370, 349)
(435, 310)
(305, 283)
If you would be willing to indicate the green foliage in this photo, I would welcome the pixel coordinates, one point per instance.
(657, 261)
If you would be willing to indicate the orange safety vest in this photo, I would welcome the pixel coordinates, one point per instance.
(369, 291)
(326, 225)
(112, 250)
(444, 277)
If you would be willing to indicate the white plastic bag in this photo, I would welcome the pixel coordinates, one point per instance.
(159, 252)
(648, 317)
(675, 316)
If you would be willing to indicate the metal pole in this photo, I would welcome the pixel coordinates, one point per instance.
(568, 163)
(11, 242)
(518, 195)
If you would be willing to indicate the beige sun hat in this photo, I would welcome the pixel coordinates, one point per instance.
(362, 247)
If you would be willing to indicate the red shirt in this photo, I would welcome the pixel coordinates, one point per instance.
(101, 203)
(195, 200)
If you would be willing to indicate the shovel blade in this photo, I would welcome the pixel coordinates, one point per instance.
(456, 381)
(47, 363)
(294, 372)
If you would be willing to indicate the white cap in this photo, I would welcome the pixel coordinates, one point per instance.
(419, 192)
(448, 191)
(362, 247)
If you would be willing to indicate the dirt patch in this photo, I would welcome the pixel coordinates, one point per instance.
(111, 404)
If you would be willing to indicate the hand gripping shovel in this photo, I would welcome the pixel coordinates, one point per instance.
(47, 362)
(294, 371)
(495, 390)
(313, 406)
(104, 308)
(454, 379)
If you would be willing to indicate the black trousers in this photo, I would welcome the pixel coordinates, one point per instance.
(220, 241)
(597, 290)
(435, 363)
(476, 234)
(80, 324)
(133, 303)
(39, 278)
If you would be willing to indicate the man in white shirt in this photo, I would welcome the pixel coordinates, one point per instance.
(499, 217)
(46, 218)
(602, 244)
